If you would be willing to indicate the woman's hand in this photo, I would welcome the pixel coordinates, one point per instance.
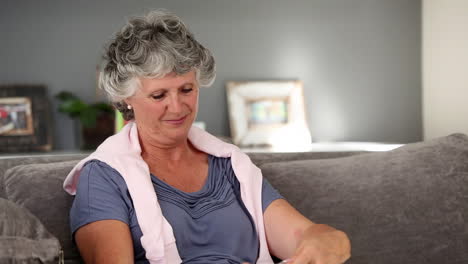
(292, 236)
(321, 244)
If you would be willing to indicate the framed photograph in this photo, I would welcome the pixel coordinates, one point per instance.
(16, 116)
(25, 122)
(267, 113)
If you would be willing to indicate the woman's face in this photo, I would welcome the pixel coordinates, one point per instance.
(165, 108)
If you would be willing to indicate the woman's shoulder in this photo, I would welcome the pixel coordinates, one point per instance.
(101, 195)
(96, 164)
(101, 171)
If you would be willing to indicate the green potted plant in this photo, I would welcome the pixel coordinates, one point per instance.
(96, 119)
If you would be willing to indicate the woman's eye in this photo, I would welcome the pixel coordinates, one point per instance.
(158, 96)
(187, 90)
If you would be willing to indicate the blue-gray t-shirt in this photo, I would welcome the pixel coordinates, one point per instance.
(211, 225)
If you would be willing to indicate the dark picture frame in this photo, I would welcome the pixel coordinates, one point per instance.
(29, 108)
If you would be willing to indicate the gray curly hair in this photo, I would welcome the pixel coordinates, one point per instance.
(151, 46)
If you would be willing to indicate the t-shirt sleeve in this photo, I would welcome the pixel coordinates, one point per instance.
(100, 195)
(269, 194)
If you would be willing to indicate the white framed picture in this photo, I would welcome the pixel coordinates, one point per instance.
(267, 113)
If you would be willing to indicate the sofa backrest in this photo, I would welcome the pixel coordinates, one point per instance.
(10, 162)
(35, 182)
(408, 205)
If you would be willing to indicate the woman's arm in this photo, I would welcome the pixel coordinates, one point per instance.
(291, 235)
(106, 241)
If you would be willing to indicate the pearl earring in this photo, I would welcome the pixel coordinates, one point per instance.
(129, 107)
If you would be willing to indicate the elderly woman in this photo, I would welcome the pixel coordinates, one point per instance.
(162, 191)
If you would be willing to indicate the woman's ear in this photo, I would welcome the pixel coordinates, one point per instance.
(127, 101)
(127, 104)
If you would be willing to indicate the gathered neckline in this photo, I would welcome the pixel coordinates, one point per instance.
(217, 192)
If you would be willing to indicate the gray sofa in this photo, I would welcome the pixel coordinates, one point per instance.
(408, 205)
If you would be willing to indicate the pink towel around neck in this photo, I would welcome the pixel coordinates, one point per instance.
(122, 151)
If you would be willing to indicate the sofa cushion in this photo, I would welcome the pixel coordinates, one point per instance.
(12, 161)
(23, 238)
(38, 187)
(408, 205)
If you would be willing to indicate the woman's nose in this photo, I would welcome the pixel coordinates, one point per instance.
(175, 105)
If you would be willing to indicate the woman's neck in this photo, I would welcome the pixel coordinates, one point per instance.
(153, 149)
(167, 154)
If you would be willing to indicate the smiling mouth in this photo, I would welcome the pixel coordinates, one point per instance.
(176, 121)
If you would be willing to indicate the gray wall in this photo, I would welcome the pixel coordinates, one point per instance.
(359, 60)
